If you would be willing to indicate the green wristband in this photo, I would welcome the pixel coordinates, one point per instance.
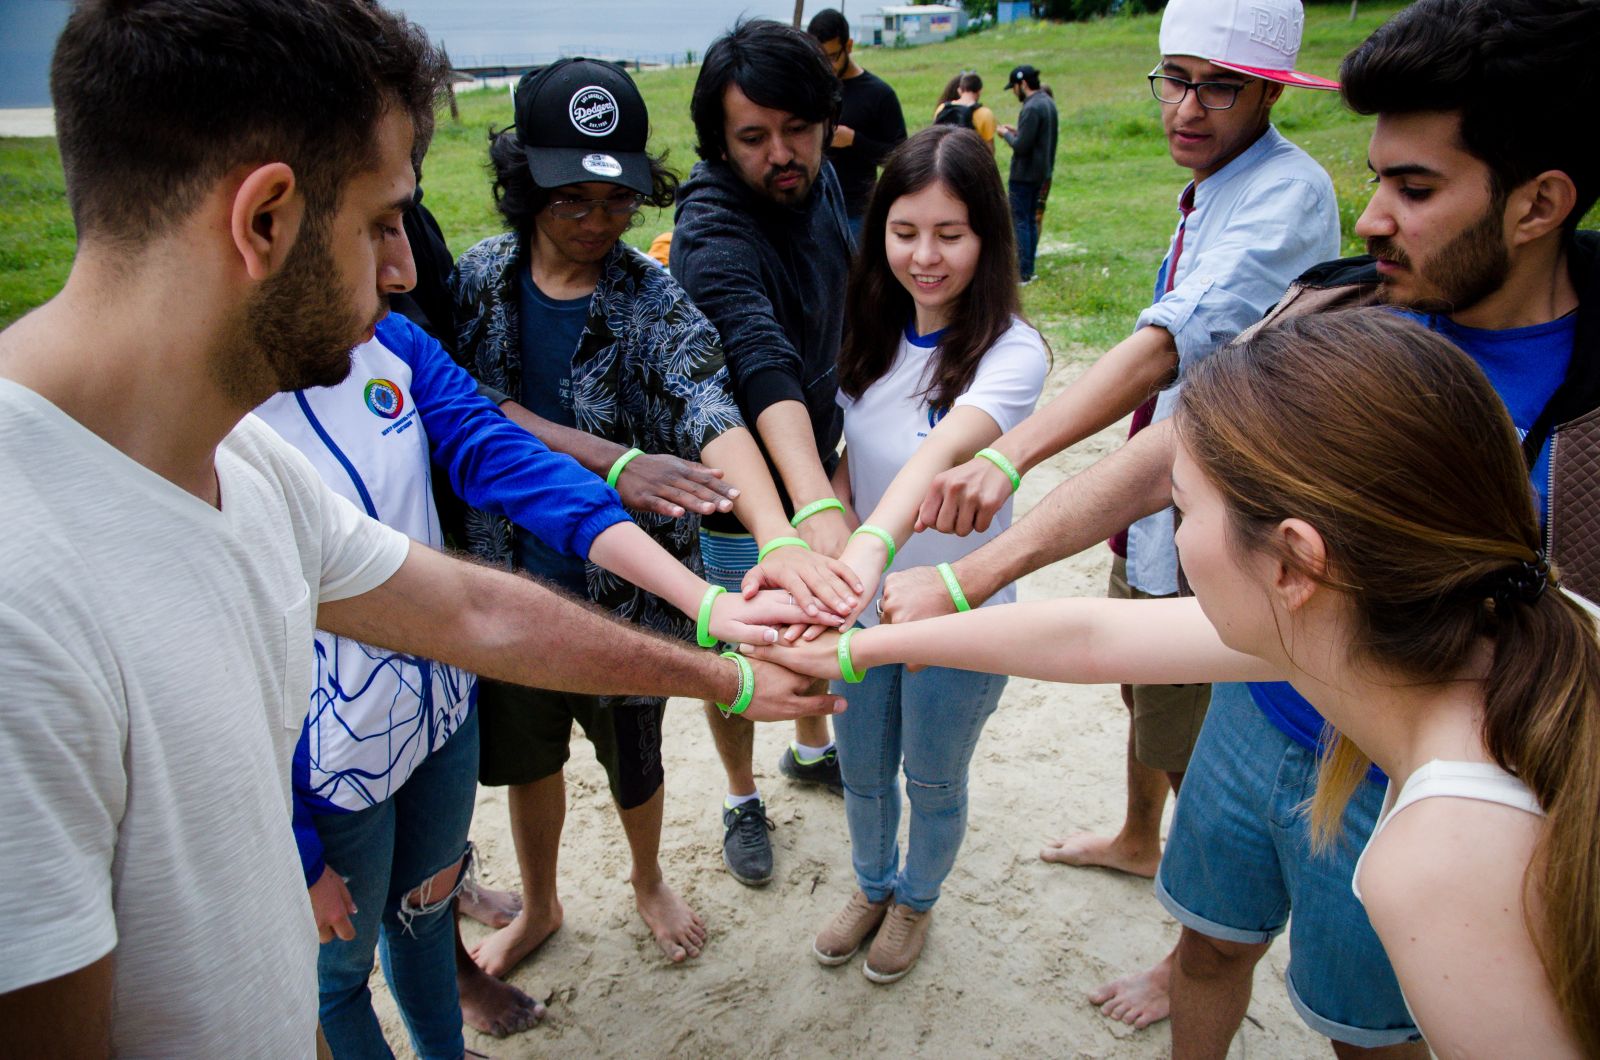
(958, 597)
(882, 535)
(847, 665)
(813, 508)
(998, 459)
(747, 686)
(777, 543)
(622, 461)
(702, 629)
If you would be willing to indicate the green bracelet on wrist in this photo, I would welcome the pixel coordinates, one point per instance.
(957, 597)
(882, 535)
(702, 630)
(998, 459)
(777, 543)
(813, 508)
(622, 461)
(747, 686)
(847, 665)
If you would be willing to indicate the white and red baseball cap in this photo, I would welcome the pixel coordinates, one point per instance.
(1256, 37)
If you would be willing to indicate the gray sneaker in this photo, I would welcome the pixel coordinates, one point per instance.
(746, 850)
(824, 771)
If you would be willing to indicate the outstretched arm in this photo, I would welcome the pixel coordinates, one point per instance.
(1121, 488)
(514, 629)
(966, 498)
(1081, 641)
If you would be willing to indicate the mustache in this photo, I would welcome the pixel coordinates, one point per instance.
(775, 172)
(1382, 248)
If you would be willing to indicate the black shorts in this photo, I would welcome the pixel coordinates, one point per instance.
(526, 734)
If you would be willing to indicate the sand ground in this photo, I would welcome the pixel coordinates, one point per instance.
(1015, 946)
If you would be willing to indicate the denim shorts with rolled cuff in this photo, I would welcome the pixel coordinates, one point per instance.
(1239, 859)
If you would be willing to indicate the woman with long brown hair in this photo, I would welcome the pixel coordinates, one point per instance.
(937, 363)
(1357, 519)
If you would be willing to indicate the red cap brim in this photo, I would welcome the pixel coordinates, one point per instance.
(1282, 77)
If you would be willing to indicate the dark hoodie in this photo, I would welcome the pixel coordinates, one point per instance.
(772, 280)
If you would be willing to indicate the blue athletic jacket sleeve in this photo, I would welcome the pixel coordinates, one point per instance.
(492, 463)
(305, 829)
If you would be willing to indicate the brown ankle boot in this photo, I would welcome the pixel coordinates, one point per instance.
(842, 936)
(898, 945)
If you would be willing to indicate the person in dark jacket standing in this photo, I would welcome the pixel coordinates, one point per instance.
(871, 123)
(762, 247)
(1033, 159)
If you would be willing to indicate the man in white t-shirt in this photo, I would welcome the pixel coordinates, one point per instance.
(167, 558)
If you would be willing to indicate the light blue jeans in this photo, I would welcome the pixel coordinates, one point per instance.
(385, 851)
(931, 721)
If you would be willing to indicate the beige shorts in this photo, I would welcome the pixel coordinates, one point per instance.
(1166, 718)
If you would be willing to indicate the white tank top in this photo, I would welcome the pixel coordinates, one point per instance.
(1482, 781)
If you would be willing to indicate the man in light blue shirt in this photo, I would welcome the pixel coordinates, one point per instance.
(1257, 212)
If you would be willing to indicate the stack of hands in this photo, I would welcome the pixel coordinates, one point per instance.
(794, 604)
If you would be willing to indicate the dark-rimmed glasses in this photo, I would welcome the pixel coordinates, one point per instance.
(578, 209)
(1213, 95)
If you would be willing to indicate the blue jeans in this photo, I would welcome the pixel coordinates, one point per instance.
(384, 852)
(1239, 859)
(1024, 203)
(931, 719)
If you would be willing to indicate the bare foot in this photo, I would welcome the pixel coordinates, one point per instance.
(493, 1007)
(679, 931)
(506, 948)
(1139, 999)
(1086, 848)
(489, 907)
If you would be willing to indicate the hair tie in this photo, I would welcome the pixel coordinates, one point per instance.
(1522, 582)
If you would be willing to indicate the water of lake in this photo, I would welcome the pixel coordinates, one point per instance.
(476, 32)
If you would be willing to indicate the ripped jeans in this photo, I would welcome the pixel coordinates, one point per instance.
(931, 720)
(384, 852)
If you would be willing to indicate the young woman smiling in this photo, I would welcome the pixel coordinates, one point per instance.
(936, 364)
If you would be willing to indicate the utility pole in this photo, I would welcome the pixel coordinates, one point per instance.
(799, 12)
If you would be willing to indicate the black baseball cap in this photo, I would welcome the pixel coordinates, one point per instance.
(581, 120)
(1023, 73)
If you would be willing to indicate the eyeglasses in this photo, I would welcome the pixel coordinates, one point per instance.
(578, 209)
(1213, 95)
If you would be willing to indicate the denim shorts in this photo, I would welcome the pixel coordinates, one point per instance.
(1239, 859)
(727, 557)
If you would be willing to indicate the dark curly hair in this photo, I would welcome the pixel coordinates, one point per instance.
(519, 199)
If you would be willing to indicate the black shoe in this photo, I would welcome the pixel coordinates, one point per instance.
(824, 771)
(746, 850)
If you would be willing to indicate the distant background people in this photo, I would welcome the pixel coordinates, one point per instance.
(870, 121)
(959, 105)
(1033, 159)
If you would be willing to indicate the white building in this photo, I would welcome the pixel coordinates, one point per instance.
(909, 24)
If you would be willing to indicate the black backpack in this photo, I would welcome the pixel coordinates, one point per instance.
(959, 114)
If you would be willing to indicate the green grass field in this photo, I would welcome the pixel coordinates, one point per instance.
(1111, 209)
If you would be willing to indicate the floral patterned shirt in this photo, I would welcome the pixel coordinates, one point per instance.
(648, 373)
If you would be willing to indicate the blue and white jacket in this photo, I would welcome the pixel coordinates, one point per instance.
(376, 438)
